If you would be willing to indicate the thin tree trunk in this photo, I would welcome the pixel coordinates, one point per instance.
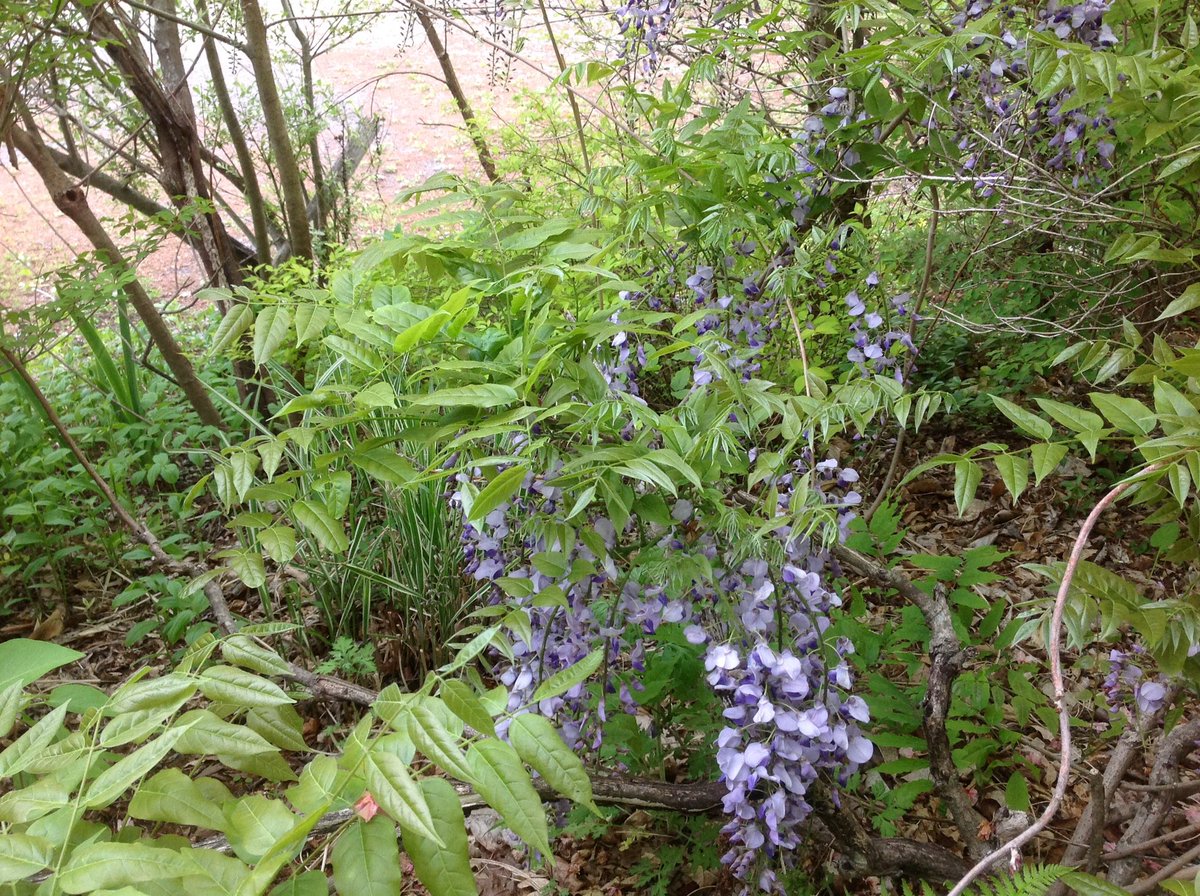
(460, 98)
(321, 218)
(71, 200)
(237, 137)
(291, 181)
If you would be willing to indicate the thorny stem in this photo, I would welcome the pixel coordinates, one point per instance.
(1056, 676)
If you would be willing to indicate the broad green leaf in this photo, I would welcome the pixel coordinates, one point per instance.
(366, 860)
(99, 865)
(397, 794)
(237, 320)
(247, 565)
(254, 824)
(119, 777)
(1075, 419)
(503, 781)
(563, 681)
(1016, 794)
(270, 330)
(32, 802)
(212, 874)
(385, 464)
(229, 684)
(23, 660)
(321, 782)
(242, 650)
(281, 725)
(169, 693)
(1126, 414)
(967, 476)
(1188, 300)
(22, 856)
(1014, 473)
(1026, 421)
(496, 492)
(439, 745)
(465, 703)
(539, 744)
(329, 533)
(307, 883)
(310, 322)
(279, 542)
(1089, 885)
(1046, 458)
(420, 332)
(483, 395)
(376, 395)
(536, 236)
(11, 699)
(444, 870)
(173, 797)
(24, 749)
(647, 471)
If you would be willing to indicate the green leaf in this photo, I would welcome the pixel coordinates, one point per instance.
(536, 236)
(439, 745)
(310, 322)
(1188, 300)
(20, 752)
(420, 332)
(483, 395)
(11, 699)
(503, 781)
(228, 684)
(397, 794)
(242, 650)
(247, 565)
(23, 661)
(308, 883)
(462, 700)
(279, 542)
(270, 330)
(1026, 421)
(99, 865)
(1014, 472)
(115, 780)
(496, 492)
(1126, 414)
(237, 320)
(444, 870)
(1046, 458)
(1075, 419)
(563, 681)
(1089, 885)
(385, 464)
(168, 693)
(366, 860)
(1016, 794)
(281, 725)
(255, 824)
(538, 743)
(329, 533)
(22, 856)
(967, 476)
(35, 801)
(173, 797)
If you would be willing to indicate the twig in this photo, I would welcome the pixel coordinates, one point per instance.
(1060, 692)
(1150, 884)
(1136, 849)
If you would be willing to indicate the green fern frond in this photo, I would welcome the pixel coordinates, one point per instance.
(1032, 880)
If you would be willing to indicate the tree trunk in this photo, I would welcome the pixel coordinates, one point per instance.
(237, 137)
(460, 98)
(321, 218)
(291, 181)
(71, 200)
